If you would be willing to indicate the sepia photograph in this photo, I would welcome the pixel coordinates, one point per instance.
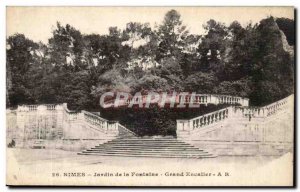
(150, 96)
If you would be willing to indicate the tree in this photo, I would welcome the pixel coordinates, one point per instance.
(234, 55)
(77, 68)
(151, 82)
(200, 82)
(288, 27)
(273, 72)
(61, 45)
(19, 60)
(172, 35)
(241, 88)
(137, 34)
(213, 45)
(171, 71)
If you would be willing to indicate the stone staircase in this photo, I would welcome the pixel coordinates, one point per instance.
(157, 147)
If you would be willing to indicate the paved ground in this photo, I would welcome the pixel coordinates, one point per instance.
(63, 159)
(42, 163)
(29, 156)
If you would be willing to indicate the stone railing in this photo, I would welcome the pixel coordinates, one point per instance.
(277, 106)
(232, 100)
(49, 107)
(204, 120)
(124, 129)
(27, 108)
(198, 99)
(95, 120)
(262, 112)
(233, 112)
(216, 99)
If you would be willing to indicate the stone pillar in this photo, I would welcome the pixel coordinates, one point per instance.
(183, 128)
(214, 99)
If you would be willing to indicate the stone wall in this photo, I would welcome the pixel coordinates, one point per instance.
(57, 127)
(243, 131)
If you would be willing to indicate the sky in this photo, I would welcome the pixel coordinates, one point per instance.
(37, 23)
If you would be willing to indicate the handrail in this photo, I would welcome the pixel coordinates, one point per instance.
(35, 107)
(210, 118)
(266, 110)
(198, 99)
(93, 115)
(219, 110)
(125, 129)
(273, 106)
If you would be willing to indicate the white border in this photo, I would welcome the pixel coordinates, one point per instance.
(5, 3)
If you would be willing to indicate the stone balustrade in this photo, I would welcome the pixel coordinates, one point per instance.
(204, 120)
(261, 112)
(95, 120)
(26, 108)
(50, 107)
(123, 128)
(209, 118)
(232, 112)
(219, 99)
(277, 106)
(112, 126)
(225, 99)
(202, 99)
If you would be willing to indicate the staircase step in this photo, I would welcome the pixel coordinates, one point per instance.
(141, 151)
(147, 148)
(146, 151)
(131, 146)
(152, 155)
(145, 145)
(147, 140)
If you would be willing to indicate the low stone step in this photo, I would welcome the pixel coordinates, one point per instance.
(147, 151)
(141, 139)
(149, 144)
(152, 155)
(146, 147)
(148, 140)
(140, 143)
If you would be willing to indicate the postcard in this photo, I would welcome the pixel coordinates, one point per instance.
(150, 96)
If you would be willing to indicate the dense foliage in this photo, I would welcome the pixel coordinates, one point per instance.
(254, 61)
